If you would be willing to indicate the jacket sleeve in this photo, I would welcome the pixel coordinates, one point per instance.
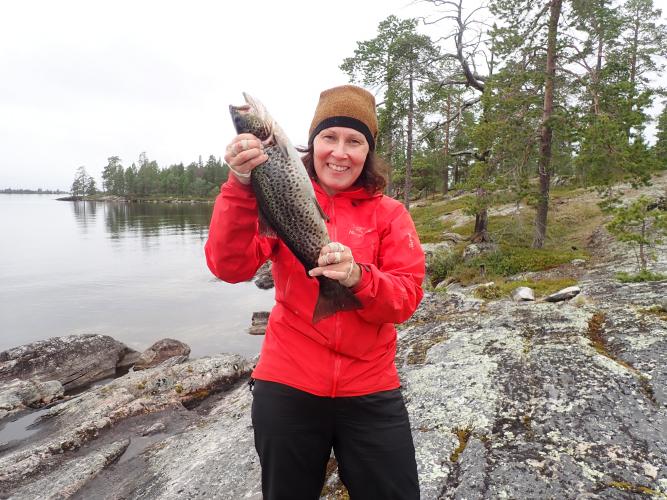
(391, 290)
(234, 249)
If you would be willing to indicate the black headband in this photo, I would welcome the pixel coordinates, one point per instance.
(344, 121)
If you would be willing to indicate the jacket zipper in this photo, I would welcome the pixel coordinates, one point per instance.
(337, 333)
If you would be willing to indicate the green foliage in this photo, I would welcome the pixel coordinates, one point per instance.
(641, 224)
(660, 148)
(83, 184)
(197, 180)
(509, 261)
(642, 276)
(442, 265)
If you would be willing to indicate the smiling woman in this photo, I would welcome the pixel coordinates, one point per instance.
(322, 381)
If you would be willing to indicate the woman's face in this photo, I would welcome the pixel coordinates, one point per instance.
(339, 154)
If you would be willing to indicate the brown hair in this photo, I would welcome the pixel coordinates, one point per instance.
(373, 177)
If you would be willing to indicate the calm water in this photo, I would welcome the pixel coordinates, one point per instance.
(136, 272)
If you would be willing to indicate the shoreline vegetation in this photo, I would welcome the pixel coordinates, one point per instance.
(32, 191)
(160, 198)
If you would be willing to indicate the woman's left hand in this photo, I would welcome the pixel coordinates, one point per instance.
(336, 262)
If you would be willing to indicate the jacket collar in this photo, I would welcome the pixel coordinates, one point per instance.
(353, 193)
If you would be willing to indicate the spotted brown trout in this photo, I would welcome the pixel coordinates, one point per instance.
(287, 204)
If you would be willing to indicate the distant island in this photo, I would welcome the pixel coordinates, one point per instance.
(32, 191)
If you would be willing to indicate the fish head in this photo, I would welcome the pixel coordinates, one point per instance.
(252, 118)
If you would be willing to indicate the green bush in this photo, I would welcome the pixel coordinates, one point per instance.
(509, 261)
(640, 277)
(442, 265)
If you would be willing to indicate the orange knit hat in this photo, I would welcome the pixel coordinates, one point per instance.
(346, 106)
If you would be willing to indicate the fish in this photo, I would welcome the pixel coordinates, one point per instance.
(287, 206)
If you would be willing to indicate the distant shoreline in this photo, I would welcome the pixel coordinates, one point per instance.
(32, 191)
(137, 199)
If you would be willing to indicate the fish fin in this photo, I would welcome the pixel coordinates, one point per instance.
(319, 208)
(333, 297)
(265, 228)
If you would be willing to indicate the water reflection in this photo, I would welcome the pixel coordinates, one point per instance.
(85, 213)
(145, 220)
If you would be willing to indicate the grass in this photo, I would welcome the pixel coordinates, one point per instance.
(428, 218)
(571, 222)
(640, 277)
(542, 288)
(507, 261)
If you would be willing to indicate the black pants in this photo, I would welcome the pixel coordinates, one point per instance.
(370, 435)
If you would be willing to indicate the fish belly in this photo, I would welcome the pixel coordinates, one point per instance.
(286, 201)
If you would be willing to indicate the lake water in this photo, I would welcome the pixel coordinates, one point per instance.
(134, 271)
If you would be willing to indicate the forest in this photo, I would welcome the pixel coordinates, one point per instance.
(506, 101)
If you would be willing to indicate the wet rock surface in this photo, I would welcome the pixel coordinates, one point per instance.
(75, 360)
(161, 351)
(506, 399)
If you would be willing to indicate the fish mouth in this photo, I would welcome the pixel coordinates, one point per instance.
(244, 109)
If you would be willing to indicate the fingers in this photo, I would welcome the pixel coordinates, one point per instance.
(244, 153)
(334, 253)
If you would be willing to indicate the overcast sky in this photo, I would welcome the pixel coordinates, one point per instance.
(81, 81)
(84, 80)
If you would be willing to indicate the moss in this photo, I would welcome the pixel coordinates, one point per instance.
(636, 488)
(428, 219)
(417, 354)
(527, 335)
(489, 292)
(654, 310)
(463, 434)
(596, 336)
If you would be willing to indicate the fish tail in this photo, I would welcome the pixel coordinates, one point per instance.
(333, 297)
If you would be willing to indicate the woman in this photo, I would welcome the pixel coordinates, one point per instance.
(332, 384)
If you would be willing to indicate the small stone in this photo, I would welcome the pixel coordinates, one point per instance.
(263, 277)
(258, 324)
(161, 351)
(522, 294)
(154, 429)
(578, 262)
(564, 294)
(651, 471)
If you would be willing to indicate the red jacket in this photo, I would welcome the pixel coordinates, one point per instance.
(349, 353)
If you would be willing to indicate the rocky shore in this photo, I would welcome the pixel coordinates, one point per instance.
(508, 399)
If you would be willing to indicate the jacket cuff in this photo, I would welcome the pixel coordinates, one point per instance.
(365, 280)
(233, 182)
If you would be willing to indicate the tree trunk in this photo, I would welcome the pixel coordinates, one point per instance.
(481, 234)
(546, 134)
(445, 150)
(408, 160)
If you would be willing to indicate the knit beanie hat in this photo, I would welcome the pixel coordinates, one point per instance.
(346, 106)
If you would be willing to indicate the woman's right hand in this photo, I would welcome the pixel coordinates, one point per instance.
(244, 153)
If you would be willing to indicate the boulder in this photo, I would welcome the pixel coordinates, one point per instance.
(259, 321)
(161, 351)
(74, 360)
(18, 395)
(523, 293)
(565, 294)
(263, 277)
(476, 249)
(94, 414)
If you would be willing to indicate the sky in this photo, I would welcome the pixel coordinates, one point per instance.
(81, 81)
